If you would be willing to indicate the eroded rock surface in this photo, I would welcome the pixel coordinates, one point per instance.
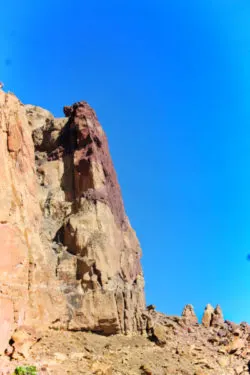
(69, 257)
(84, 222)
(176, 347)
(189, 315)
(29, 290)
(212, 317)
(70, 262)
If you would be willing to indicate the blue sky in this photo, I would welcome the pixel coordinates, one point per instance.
(170, 82)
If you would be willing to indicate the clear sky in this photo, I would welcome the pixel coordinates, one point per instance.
(170, 82)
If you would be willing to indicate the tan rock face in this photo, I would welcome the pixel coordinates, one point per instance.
(101, 369)
(207, 316)
(26, 278)
(159, 334)
(69, 257)
(98, 254)
(189, 315)
(217, 318)
(70, 261)
(236, 344)
(23, 339)
(6, 322)
(212, 317)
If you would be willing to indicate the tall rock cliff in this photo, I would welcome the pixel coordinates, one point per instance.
(69, 257)
(29, 291)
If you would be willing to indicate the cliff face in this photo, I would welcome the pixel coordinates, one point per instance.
(69, 257)
(29, 290)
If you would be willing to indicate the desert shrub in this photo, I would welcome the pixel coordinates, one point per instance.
(25, 370)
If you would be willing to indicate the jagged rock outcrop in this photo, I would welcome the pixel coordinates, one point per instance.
(207, 316)
(98, 254)
(69, 257)
(189, 315)
(217, 317)
(212, 317)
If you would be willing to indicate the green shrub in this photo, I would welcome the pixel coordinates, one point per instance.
(25, 370)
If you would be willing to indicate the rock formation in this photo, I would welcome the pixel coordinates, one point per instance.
(212, 317)
(70, 262)
(189, 315)
(208, 315)
(28, 289)
(69, 257)
(175, 347)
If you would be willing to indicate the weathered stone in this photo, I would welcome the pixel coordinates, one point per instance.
(217, 317)
(231, 326)
(77, 356)
(23, 339)
(222, 332)
(159, 334)
(99, 368)
(6, 368)
(6, 322)
(239, 370)
(99, 261)
(27, 278)
(146, 369)
(237, 332)
(189, 315)
(223, 362)
(60, 357)
(235, 345)
(207, 316)
(70, 261)
(69, 257)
